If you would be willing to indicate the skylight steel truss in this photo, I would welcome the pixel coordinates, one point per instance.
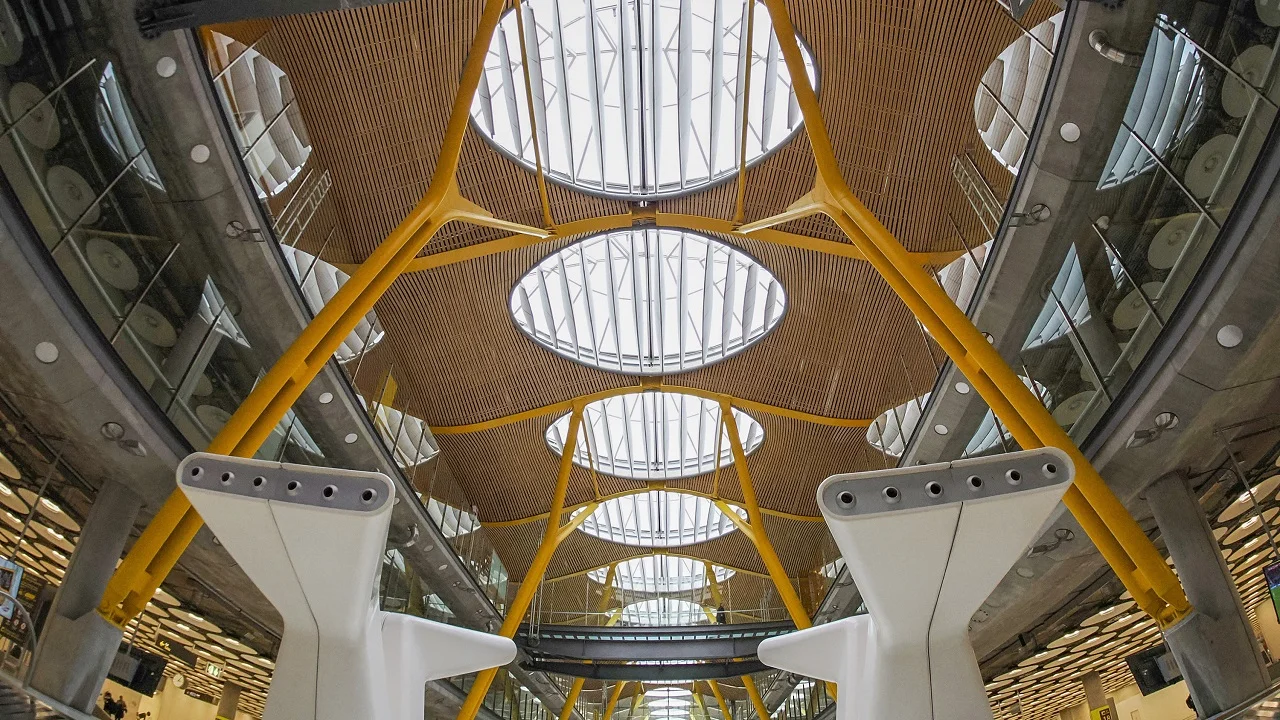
(636, 98)
(654, 436)
(646, 301)
(663, 612)
(661, 518)
(659, 573)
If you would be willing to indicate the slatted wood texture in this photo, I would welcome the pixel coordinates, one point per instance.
(897, 83)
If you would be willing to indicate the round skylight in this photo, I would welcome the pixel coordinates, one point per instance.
(636, 98)
(663, 611)
(660, 574)
(659, 518)
(893, 429)
(654, 436)
(648, 301)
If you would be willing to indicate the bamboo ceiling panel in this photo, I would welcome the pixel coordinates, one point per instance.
(897, 81)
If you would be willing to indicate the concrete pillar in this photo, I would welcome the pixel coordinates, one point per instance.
(228, 702)
(1095, 696)
(77, 646)
(1214, 646)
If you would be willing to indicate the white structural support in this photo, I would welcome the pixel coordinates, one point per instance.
(312, 540)
(926, 545)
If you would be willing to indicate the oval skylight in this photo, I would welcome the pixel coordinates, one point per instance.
(661, 612)
(654, 436)
(659, 518)
(1009, 94)
(660, 574)
(648, 301)
(890, 432)
(636, 98)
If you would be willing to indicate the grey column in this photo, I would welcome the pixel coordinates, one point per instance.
(1214, 646)
(77, 645)
(228, 702)
(1095, 695)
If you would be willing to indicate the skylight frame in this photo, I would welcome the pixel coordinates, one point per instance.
(624, 520)
(661, 573)
(663, 612)
(610, 427)
(587, 303)
(502, 85)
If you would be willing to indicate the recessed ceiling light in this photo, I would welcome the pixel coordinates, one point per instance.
(1230, 336)
(940, 429)
(47, 352)
(962, 388)
(350, 438)
(326, 398)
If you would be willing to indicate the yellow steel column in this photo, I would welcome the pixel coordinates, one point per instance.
(756, 701)
(175, 525)
(612, 705)
(551, 539)
(574, 691)
(698, 700)
(1143, 571)
(724, 706)
(757, 534)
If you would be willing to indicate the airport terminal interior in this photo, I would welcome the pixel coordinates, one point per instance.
(639, 359)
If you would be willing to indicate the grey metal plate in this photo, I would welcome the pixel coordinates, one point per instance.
(333, 488)
(921, 486)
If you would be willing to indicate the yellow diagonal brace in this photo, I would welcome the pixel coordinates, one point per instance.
(158, 548)
(574, 691)
(644, 386)
(551, 539)
(724, 706)
(636, 491)
(697, 698)
(756, 701)
(1142, 569)
(612, 705)
(666, 220)
(755, 532)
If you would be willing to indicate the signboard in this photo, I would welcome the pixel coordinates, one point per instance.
(203, 697)
(212, 670)
(176, 650)
(10, 581)
(1272, 574)
(1102, 713)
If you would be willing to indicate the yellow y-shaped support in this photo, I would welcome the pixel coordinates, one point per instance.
(1122, 542)
(551, 539)
(153, 556)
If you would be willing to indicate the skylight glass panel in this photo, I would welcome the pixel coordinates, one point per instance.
(1009, 94)
(319, 281)
(654, 436)
(1165, 104)
(892, 430)
(660, 574)
(637, 98)
(648, 301)
(1066, 305)
(663, 612)
(992, 434)
(659, 518)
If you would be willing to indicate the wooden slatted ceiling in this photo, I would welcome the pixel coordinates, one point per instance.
(375, 87)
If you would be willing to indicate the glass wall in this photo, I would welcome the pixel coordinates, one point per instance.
(1203, 103)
